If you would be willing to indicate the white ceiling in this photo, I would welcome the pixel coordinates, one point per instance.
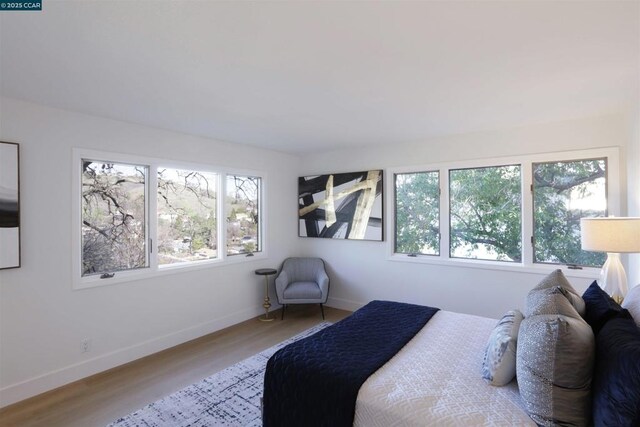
(308, 76)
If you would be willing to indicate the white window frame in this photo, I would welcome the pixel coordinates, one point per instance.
(525, 161)
(154, 269)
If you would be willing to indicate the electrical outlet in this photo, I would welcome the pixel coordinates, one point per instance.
(85, 345)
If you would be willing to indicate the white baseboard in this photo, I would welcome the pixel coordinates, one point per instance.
(49, 381)
(344, 304)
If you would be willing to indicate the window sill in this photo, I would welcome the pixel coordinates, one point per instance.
(169, 269)
(584, 273)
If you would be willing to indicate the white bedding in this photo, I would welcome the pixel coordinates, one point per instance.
(435, 380)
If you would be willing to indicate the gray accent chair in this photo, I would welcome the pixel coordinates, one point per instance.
(302, 281)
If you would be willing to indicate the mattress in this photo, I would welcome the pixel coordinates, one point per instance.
(436, 380)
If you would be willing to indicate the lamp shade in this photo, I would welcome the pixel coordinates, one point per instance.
(612, 234)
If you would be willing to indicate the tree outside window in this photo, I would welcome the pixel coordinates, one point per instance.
(243, 214)
(486, 213)
(187, 218)
(564, 192)
(117, 235)
(417, 213)
(114, 225)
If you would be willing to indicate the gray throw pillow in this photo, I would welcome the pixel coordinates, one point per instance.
(554, 295)
(549, 301)
(632, 303)
(554, 366)
(499, 366)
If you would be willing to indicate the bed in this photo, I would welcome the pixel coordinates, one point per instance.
(577, 363)
(435, 380)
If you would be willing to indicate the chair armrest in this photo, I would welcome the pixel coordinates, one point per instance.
(323, 282)
(281, 283)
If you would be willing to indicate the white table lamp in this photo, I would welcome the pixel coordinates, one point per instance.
(612, 235)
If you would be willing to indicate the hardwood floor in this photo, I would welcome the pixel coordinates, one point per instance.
(102, 398)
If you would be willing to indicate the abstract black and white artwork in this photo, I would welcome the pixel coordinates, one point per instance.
(341, 206)
(9, 206)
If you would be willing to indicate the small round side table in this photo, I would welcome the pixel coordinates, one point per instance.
(266, 272)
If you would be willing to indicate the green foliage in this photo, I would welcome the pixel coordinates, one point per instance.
(486, 212)
(556, 222)
(418, 213)
(199, 230)
(485, 209)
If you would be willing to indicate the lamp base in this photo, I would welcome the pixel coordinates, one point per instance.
(613, 279)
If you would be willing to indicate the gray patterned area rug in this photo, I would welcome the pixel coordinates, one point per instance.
(229, 398)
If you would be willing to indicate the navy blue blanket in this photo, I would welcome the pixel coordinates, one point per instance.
(315, 381)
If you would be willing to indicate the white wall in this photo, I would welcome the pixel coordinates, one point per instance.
(633, 186)
(361, 271)
(42, 320)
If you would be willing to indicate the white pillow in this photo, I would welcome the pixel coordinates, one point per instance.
(499, 366)
(632, 303)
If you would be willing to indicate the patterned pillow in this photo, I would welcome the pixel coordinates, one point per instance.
(554, 365)
(632, 303)
(554, 295)
(555, 355)
(499, 366)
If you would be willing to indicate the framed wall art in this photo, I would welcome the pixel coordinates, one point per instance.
(341, 206)
(9, 205)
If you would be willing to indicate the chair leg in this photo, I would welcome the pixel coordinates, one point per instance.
(283, 307)
(322, 311)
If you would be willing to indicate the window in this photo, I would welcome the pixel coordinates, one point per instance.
(114, 222)
(485, 213)
(136, 217)
(564, 192)
(187, 221)
(243, 214)
(520, 212)
(417, 213)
